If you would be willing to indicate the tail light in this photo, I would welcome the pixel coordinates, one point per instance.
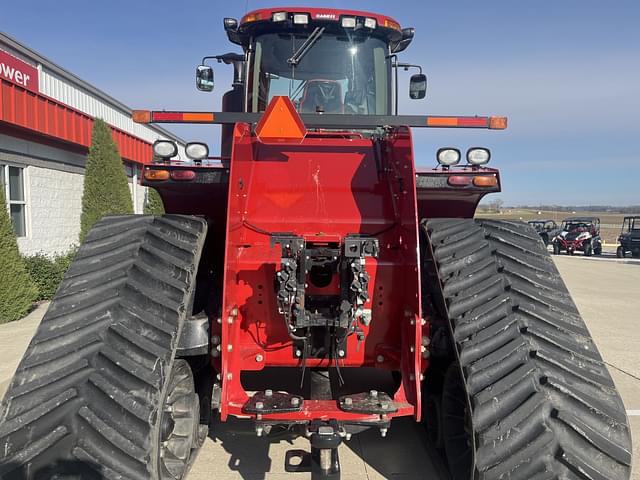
(183, 175)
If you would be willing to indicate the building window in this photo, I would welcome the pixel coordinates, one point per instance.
(12, 180)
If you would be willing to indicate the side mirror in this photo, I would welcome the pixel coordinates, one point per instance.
(418, 86)
(204, 78)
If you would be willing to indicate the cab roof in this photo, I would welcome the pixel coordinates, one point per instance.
(319, 14)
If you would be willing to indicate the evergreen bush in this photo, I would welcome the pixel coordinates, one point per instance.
(47, 273)
(17, 291)
(106, 189)
(153, 203)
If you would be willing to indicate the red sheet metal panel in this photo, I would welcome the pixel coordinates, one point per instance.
(39, 113)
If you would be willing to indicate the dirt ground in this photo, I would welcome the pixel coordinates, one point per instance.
(607, 292)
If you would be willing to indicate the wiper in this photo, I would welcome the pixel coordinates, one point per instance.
(304, 48)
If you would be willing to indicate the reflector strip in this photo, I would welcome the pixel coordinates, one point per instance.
(485, 181)
(442, 121)
(183, 117)
(141, 116)
(156, 174)
(457, 122)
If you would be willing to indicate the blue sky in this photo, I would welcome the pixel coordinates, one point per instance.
(565, 72)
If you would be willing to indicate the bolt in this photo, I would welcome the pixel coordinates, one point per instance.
(348, 401)
(259, 358)
(230, 320)
(412, 377)
(218, 376)
(426, 341)
(341, 353)
(383, 432)
(423, 322)
(373, 393)
(219, 320)
(295, 401)
(259, 431)
(229, 348)
(215, 339)
(384, 406)
(412, 321)
(217, 348)
(229, 376)
(426, 354)
(259, 405)
(380, 359)
(348, 437)
(423, 349)
(234, 311)
(412, 349)
(421, 377)
(287, 246)
(298, 353)
(215, 354)
(268, 393)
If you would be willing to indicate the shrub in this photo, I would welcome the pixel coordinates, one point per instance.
(17, 291)
(106, 189)
(153, 202)
(47, 273)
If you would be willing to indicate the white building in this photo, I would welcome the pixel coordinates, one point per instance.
(46, 116)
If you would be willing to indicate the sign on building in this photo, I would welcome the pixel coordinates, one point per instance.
(16, 71)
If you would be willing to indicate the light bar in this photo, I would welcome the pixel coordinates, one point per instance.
(348, 22)
(279, 16)
(146, 116)
(301, 18)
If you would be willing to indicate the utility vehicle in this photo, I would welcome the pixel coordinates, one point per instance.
(547, 229)
(579, 234)
(629, 238)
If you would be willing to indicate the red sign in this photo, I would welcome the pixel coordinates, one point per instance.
(16, 71)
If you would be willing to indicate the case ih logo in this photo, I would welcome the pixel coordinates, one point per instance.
(18, 72)
(325, 16)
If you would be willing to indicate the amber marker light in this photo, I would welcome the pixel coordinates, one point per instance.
(156, 175)
(141, 116)
(497, 123)
(485, 181)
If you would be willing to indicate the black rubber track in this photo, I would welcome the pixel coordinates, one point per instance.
(543, 403)
(84, 401)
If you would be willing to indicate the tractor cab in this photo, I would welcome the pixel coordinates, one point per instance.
(325, 61)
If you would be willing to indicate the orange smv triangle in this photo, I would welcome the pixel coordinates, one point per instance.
(281, 123)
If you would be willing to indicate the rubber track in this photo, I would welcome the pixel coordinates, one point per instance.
(544, 404)
(85, 398)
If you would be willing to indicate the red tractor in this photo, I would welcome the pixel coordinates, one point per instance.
(313, 248)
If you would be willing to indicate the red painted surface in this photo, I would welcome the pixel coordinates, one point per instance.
(21, 73)
(41, 114)
(322, 188)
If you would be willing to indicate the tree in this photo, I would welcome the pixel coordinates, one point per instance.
(106, 189)
(18, 292)
(153, 202)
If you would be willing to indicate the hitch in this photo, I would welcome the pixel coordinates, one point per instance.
(323, 461)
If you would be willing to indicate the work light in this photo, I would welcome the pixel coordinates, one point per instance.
(196, 151)
(348, 22)
(279, 16)
(370, 23)
(448, 156)
(301, 18)
(165, 148)
(478, 156)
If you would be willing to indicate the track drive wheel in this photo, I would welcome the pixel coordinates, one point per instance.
(543, 405)
(99, 393)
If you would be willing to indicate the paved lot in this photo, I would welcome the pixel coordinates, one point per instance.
(607, 293)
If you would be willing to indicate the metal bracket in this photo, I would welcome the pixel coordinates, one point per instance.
(273, 402)
(373, 402)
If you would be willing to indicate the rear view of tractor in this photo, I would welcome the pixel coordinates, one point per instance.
(313, 249)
